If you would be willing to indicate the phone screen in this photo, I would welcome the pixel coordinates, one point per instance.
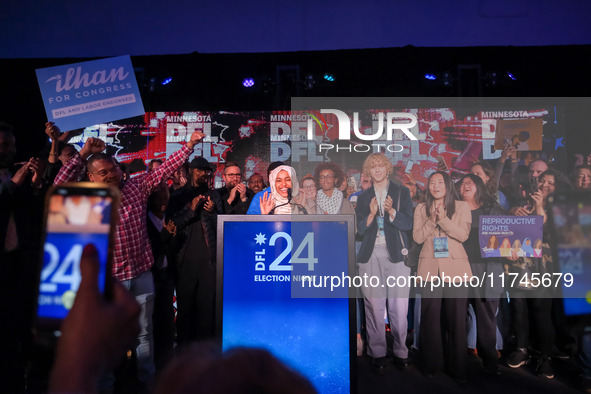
(75, 217)
(571, 212)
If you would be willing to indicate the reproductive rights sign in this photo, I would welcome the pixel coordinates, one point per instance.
(506, 236)
(88, 93)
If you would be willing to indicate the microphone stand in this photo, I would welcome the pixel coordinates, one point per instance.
(289, 198)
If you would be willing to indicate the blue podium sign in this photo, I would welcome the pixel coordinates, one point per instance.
(259, 261)
(88, 93)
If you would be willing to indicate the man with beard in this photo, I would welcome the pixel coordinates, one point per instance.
(235, 196)
(132, 255)
(256, 183)
(194, 208)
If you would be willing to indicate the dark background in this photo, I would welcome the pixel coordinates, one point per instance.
(211, 82)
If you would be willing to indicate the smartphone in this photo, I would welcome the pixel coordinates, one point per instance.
(409, 165)
(535, 185)
(75, 214)
(352, 182)
(571, 226)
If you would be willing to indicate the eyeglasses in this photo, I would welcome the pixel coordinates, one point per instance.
(323, 177)
(233, 175)
(311, 187)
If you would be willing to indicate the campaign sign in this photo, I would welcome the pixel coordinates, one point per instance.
(88, 93)
(60, 276)
(506, 236)
(255, 306)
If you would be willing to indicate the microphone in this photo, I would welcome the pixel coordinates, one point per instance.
(289, 197)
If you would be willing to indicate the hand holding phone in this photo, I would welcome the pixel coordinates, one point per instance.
(75, 215)
(96, 331)
(352, 183)
(535, 185)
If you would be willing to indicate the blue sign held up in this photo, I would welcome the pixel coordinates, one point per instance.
(88, 93)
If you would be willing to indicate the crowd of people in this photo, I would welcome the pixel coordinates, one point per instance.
(165, 241)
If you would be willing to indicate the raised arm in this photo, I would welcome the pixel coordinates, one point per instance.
(165, 171)
(508, 152)
(73, 170)
(52, 132)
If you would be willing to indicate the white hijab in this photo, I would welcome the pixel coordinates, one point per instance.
(280, 200)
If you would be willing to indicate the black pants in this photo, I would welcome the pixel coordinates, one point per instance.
(532, 321)
(163, 317)
(486, 330)
(443, 315)
(195, 292)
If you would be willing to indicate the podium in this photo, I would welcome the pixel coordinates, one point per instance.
(276, 277)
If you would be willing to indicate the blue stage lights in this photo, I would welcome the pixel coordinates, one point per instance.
(248, 82)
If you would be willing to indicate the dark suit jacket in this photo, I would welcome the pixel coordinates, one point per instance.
(187, 221)
(161, 243)
(237, 207)
(392, 229)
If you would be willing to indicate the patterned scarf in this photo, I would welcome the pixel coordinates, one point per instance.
(330, 205)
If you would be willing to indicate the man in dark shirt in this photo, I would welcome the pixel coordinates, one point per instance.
(194, 208)
(235, 196)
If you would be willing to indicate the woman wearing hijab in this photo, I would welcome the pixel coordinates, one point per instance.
(284, 193)
(528, 248)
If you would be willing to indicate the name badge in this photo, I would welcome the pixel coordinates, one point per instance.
(440, 247)
(380, 226)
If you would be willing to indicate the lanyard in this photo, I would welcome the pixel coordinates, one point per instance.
(381, 201)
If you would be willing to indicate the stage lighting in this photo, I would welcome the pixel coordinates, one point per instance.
(510, 75)
(329, 77)
(248, 82)
(447, 79)
(166, 81)
(430, 77)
